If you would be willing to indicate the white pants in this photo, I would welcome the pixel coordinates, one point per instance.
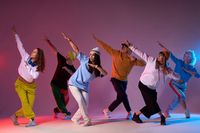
(82, 98)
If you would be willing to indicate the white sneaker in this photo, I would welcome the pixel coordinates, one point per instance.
(75, 121)
(87, 122)
(31, 123)
(14, 119)
(187, 113)
(129, 115)
(106, 113)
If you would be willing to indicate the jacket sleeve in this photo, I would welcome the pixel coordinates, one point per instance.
(141, 54)
(105, 46)
(20, 47)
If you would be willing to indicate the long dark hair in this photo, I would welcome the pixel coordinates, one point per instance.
(97, 61)
(40, 62)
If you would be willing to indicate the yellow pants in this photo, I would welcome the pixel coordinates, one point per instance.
(26, 93)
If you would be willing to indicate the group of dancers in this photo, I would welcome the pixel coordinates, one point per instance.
(67, 77)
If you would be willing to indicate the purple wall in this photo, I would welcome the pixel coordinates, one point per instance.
(174, 22)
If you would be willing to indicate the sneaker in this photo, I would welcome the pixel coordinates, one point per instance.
(162, 121)
(68, 113)
(187, 114)
(75, 121)
(129, 116)
(67, 117)
(136, 118)
(14, 119)
(31, 123)
(106, 113)
(87, 122)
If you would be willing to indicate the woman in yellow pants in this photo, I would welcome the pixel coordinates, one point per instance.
(29, 69)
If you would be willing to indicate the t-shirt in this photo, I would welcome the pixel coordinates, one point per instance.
(82, 77)
(61, 76)
(121, 62)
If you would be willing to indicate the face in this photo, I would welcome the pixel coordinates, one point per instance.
(161, 59)
(34, 54)
(92, 56)
(69, 61)
(187, 58)
(126, 50)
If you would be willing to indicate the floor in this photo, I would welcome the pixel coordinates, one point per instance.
(117, 124)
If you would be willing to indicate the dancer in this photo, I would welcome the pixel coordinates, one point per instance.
(122, 63)
(59, 85)
(25, 86)
(90, 68)
(185, 68)
(155, 70)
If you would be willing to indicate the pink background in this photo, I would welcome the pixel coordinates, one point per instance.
(143, 22)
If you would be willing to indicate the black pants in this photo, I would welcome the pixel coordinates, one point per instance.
(120, 88)
(60, 99)
(150, 99)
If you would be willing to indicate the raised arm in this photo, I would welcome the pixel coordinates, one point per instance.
(72, 44)
(20, 47)
(162, 46)
(53, 48)
(103, 45)
(141, 54)
(174, 59)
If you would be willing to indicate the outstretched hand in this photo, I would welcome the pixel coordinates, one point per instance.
(94, 36)
(46, 39)
(14, 30)
(65, 36)
(92, 65)
(162, 46)
(130, 44)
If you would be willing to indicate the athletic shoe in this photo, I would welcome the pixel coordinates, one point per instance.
(14, 119)
(136, 118)
(106, 113)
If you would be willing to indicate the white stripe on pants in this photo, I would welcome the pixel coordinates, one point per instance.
(82, 98)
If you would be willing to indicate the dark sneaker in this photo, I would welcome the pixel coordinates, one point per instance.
(136, 118)
(187, 114)
(162, 121)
